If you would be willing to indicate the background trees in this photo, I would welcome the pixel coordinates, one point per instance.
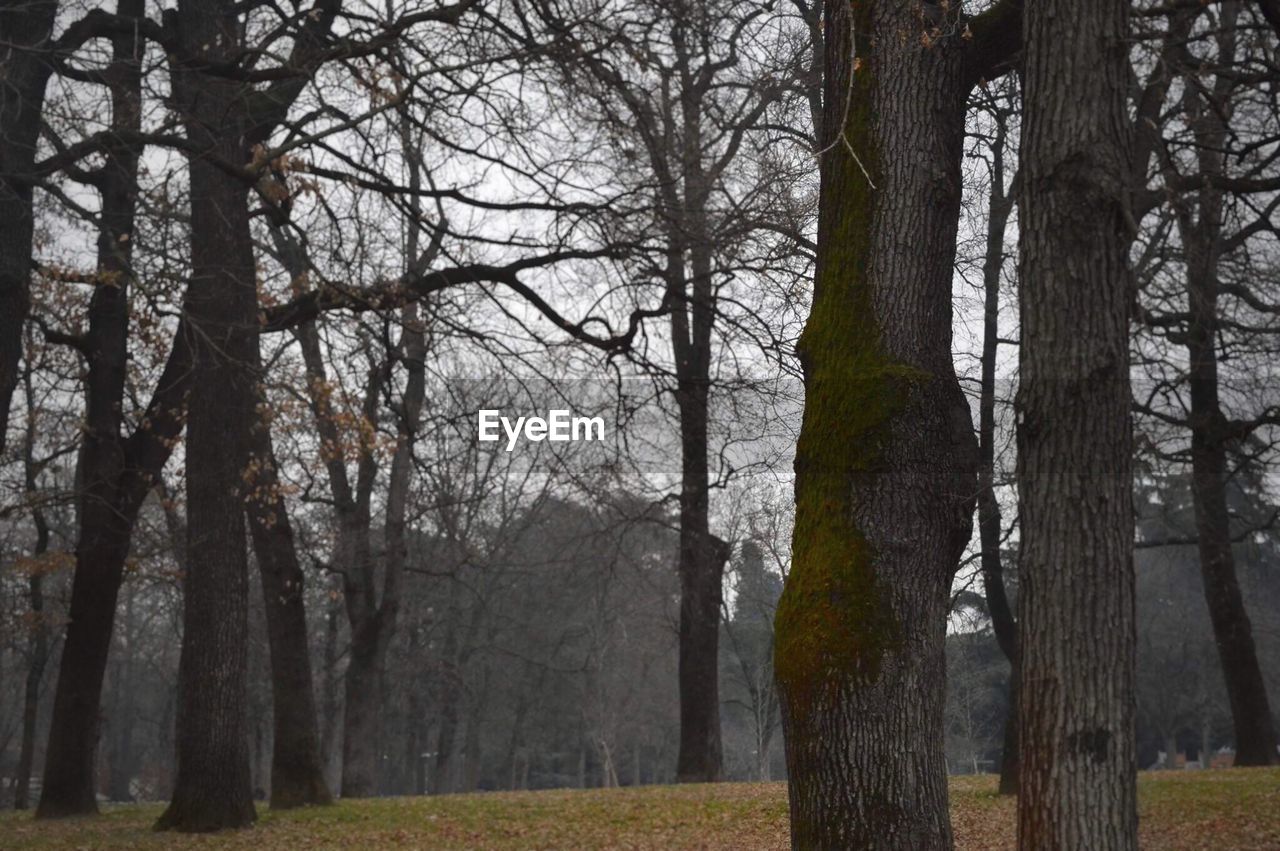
(325, 235)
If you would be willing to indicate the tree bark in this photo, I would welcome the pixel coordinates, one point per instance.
(27, 26)
(213, 789)
(1076, 589)
(886, 462)
(297, 774)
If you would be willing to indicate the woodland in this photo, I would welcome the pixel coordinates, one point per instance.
(933, 347)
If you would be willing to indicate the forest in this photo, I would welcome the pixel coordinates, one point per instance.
(423, 398)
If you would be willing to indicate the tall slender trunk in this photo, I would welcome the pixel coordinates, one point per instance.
(26, 26)
(701, 568)
(121, 719)
(372, 615)
(702, 556)
(886, 461)
(330, 728)
(38, 638)
(1076, 590)
(213, 788)
(297, 774)
(450, 691)
(1200, 220)
(989, 524)
(1233, 632)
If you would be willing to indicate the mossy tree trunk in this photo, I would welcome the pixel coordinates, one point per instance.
(886, 462)
(1076, 590)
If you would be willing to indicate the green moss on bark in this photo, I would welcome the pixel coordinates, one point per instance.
(833, 624)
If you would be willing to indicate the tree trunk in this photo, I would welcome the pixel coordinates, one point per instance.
(121, 722)
(38, 639)
(332, 707)
(886, 461)
(114, 473)
(1076, 590)
(38, 655)
(71, 757)
(989, 525)
(451, 687)
(213, 788)
(702, 555)
(1202, 237)
(1232, 630)
(372, 616)
(702, 560)
(353, 559)
(26, 25)
(361, 730)
(297, 775)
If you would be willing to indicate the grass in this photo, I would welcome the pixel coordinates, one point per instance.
(1230, 810)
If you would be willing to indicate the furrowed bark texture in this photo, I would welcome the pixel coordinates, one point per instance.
(212, 789)
(1076, 591)
(886, 459)
(24, 71)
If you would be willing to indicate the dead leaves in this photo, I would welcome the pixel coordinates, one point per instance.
(1234, 810)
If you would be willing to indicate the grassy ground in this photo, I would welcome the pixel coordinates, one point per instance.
(1218, 810)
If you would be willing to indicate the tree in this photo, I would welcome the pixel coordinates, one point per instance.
(24, 67)
(1076, 589)
(678, 91)
(1207, 182)
(750, 658)
(116, 469)
(886, 461)
(212, 789)
(990, 532)
(297, 776)
(38, 636)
